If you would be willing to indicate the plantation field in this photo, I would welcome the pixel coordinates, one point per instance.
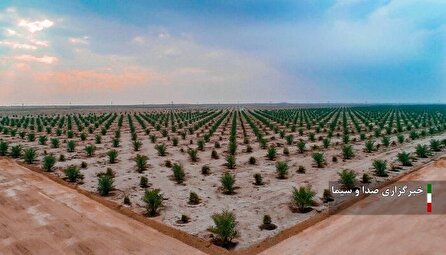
(182, 166)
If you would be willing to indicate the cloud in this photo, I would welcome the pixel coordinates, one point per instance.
(138, 40)
(36, 25)
(97, 80)
(79, 40)
(163, 34)
(15, 45)
(10, 32)
(29, 58)
(151, 64)
(40, 43)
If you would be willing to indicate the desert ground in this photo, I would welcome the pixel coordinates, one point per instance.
(240, 132)
(376, 234)
(40, 216)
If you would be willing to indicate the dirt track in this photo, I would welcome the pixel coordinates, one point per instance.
(39, 216)
(376, 234)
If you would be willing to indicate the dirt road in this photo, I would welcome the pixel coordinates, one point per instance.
(39, 216)
(375, 234)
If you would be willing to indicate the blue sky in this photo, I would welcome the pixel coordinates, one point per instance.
(130, 52)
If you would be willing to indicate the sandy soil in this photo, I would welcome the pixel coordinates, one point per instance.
(250, 203)
(376, 234)
(39, 216)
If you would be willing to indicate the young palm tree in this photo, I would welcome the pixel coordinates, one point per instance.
(347, 178)
(262, 143)
(117, 134)
(282, 169)
(43, 139)
(152, 138)
(303, 197)
(31, 137)
(422, 151)
(72, 173)
(89, 149)
(413, 135)
(400, 138)
(326, 143)
(48, 162)
(289, 139)
(319, 159)
(205, 170)
(227, 181)
(105, 184)
(380, 167)
(153, 199)
(55, 142)
(161, 148)
(385, 141)
(136, 145)
(435, 145)
(71, 145)
(3, 148)
(369, 146)
(112, 156)
(312, 136)
(194, 199)
(175, 141)
(141, 162)
(271, 153)
(30, 155)
(225, 227)
(258, 179)
(200, 144)
(230, 161)
(193, 154)
(214, 154)
(301, 146)
(404, 158)
(143, 182)
(116, 142)
(98, 139)
(178, 173)
(232, 147)
(366, 178)
(362, 136)
(346, 139)
(347, 152)
(16, 151)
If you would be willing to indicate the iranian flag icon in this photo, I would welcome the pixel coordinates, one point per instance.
(429, 198)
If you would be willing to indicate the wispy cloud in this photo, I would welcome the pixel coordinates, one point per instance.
(10, 32)
(79, 40)
(79, 80)
(16, 45)
(40, 43)
(35, 26)
(30, 58)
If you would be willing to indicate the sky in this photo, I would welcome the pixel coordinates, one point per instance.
(154, 52)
